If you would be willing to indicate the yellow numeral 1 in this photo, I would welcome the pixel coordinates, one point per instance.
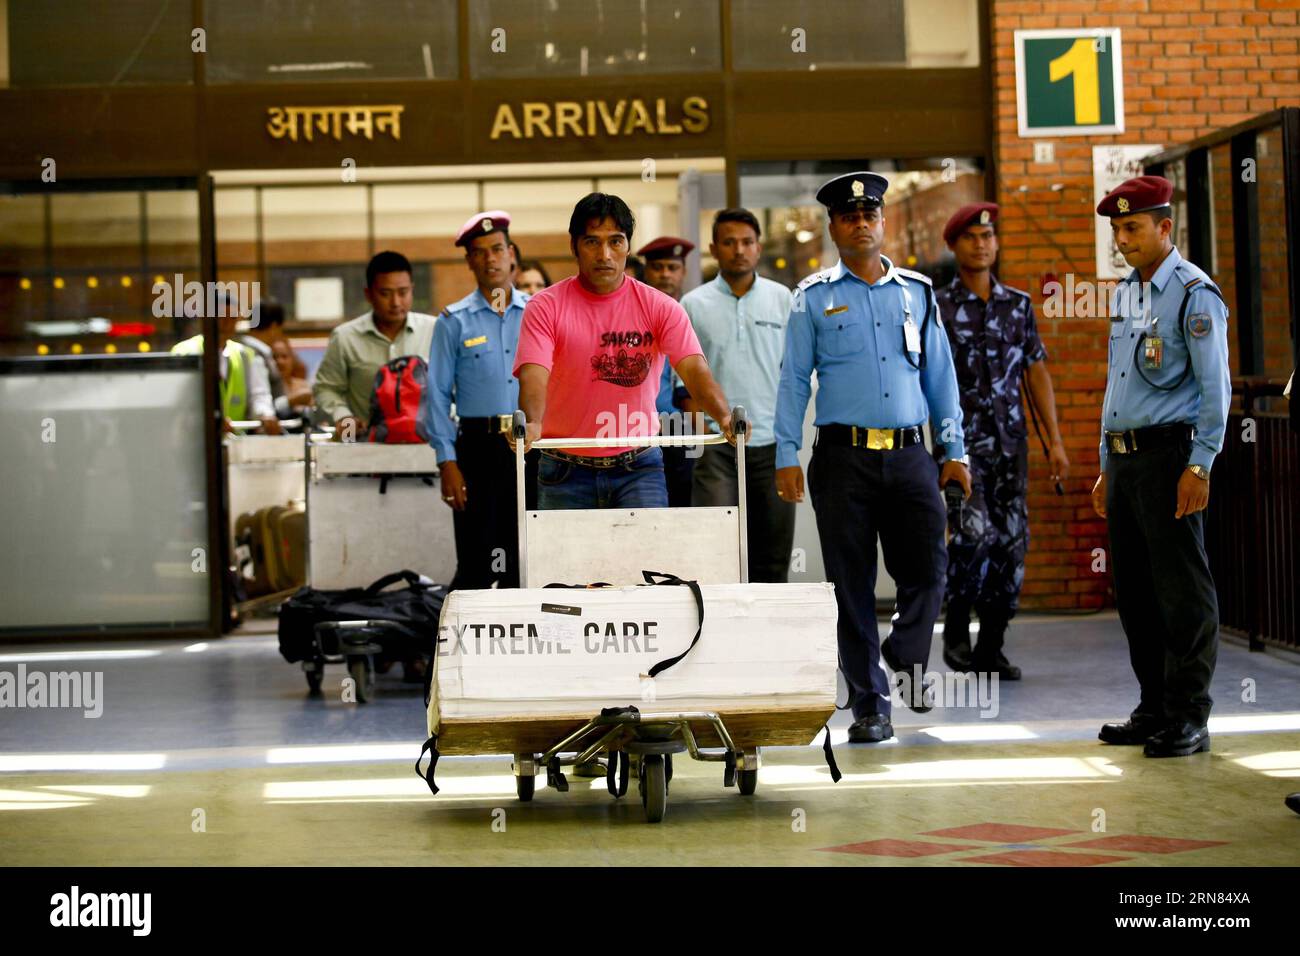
(1080, 61)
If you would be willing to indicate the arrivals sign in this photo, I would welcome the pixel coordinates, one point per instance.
(590, 118)
(1069, 82)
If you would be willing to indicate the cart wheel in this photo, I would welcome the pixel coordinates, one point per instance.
(314, 678)
(524, 786)
(747, 781)
(363, 677)
(654, 788)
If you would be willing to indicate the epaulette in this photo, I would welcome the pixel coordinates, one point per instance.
(1191, 277)
(913, 274)
(815, 278)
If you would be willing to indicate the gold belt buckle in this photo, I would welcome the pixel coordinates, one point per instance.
(1117, 444)
(880, 439)
(505, 423)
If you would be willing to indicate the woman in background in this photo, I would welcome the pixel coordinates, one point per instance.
(297, 390)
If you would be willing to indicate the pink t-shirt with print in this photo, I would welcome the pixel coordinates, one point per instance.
(605, 354)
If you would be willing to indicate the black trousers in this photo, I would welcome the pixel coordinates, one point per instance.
(487, 531)
(1163, 588)
(678, 469)
(769, 520)
(859, 495)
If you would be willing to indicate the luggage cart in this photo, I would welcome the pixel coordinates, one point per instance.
(637, 744)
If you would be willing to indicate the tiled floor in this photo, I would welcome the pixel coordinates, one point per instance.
(215, 755)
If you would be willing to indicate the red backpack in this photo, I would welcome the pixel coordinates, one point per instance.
(395, 401)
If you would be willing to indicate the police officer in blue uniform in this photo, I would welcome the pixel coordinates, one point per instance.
(872, 333)
(470, 366)
(995, 346)
(1167, 394)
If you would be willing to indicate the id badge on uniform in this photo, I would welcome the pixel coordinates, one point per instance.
(911, 335)
(1153, 349)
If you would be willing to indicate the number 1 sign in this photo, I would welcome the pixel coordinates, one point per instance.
(1069, 82)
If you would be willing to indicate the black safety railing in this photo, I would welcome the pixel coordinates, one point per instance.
(1252, 531)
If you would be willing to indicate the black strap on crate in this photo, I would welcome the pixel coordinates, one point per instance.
(671, 580)
(431, 747)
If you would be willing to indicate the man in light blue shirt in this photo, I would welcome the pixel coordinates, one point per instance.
(740, 320)
(471, 364)
(1168, 389)
(872, 333)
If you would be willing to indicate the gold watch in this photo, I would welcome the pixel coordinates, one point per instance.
(1200, 471)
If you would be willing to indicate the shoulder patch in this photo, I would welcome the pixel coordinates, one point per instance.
(913, 274)
(815, 278)
(1199, 325)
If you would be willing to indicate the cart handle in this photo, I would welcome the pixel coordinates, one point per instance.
(739, 426)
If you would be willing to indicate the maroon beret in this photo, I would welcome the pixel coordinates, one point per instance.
(1136, 195)
(666, 247)
(480, 224)
(973, 213)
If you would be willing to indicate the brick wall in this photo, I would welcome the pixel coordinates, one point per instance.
(1190, 67)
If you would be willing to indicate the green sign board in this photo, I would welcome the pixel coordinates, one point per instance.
(1069, 82)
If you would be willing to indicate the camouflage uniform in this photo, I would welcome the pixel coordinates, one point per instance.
(992, 344)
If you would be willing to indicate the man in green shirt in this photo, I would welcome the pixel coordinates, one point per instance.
(358, 348)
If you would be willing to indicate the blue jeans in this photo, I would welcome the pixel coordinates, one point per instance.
(564, 485)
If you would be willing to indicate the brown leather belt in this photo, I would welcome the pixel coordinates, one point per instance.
(596, 461)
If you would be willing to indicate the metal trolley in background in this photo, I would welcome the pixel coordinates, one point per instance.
(708, 545)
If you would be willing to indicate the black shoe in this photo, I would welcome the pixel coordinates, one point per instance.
(1179, 740)
(999, 665)
(1293, 801)
(958, 657)
(1134, 731)
(956, 637)
(914, 697)
(871, 729)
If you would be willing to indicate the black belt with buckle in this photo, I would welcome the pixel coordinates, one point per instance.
(492, 425)
(877, 439)
(596, 461)
(1141, 439)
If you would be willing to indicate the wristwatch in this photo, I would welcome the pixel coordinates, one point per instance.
(1200, 471)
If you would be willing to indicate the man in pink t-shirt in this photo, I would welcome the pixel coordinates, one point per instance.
(591, 354)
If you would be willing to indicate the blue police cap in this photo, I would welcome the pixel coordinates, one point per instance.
(861, 190)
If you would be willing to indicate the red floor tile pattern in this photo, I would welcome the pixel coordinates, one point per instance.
(1018, 846)
(1045, 858)
(1143, 844)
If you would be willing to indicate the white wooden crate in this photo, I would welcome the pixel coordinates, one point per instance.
(543, 651)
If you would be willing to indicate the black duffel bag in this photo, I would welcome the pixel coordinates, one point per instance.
(414, 609)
